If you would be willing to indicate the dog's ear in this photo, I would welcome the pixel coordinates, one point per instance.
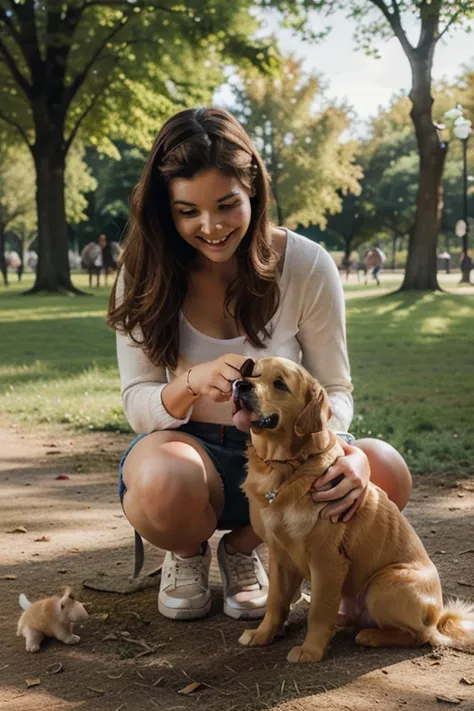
(314, 418)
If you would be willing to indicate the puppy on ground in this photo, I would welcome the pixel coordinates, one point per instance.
(51, 617)
(376, 554)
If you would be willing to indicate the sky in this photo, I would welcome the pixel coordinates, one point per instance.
(364, 82)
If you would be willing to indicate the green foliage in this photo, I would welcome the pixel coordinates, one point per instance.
(108, 205)
(18, 190)
(119, 68)
(308, 164)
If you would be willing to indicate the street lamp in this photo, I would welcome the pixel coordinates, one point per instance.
(462, 129)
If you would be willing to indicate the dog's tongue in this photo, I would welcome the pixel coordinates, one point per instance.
(241, 419)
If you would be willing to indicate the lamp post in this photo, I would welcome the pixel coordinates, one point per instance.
(462, 130)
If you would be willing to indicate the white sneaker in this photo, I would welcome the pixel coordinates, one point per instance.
(184, 587)
(245, 584)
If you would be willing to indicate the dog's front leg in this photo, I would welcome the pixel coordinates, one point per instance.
(285, 579)
(327, 579)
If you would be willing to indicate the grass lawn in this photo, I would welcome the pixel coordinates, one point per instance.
(412, 359)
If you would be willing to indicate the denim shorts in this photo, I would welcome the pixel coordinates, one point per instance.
(226, 446)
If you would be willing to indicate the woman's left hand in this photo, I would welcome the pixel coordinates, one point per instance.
(353, 471)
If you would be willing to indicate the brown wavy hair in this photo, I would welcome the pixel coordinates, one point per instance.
(156, 259)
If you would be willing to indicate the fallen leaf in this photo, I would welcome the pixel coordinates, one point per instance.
(96, 690)
(468, 550)
(190, 688)
(469, 680)
(18, 529)
(43, 539)
(32, 682)
(10, 576)
(62, 477)
(448, 700)
(55, 668)
(115, 676)
(466, 585)
(62, 570)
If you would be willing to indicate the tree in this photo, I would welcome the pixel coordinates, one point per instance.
(17, 194)
(310, 168)
(352, 224)
(435, 19)
(17, 188)
(103, 69)
(116, 175)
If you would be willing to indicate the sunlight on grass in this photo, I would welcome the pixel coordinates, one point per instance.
(435, 325)
(412, 358)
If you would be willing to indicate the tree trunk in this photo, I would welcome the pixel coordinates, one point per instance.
(53, 273)
(394, 252)
(3, 261)
(421, 267)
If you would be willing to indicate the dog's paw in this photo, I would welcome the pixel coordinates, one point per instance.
(73, 639)
(32, 647)
(303, 653)
(256, 638)
(366, 638)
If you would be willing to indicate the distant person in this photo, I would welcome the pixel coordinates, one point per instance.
(97, 257)
(106, 258)
(374, 262)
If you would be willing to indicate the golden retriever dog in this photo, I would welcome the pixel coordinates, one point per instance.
(376, 554)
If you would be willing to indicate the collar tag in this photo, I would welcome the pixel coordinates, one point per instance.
(271, 496)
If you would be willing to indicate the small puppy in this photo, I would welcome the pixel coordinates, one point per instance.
(51, 617)
(376, 554)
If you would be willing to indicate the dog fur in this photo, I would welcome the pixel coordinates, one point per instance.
(50, 617)
(377, 554)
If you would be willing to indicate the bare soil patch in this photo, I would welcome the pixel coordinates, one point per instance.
(75, 529)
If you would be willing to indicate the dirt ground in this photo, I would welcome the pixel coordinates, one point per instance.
(132, 659)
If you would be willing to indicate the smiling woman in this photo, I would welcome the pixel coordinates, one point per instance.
(207, 283)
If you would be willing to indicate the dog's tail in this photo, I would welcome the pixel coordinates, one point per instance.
(455, 627)
(24, 602)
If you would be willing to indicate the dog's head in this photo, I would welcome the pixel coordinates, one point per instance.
(279, 399)
(71, 609)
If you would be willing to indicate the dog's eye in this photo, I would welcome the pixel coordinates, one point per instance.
(279, 384)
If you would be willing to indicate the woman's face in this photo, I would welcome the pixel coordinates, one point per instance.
(211, 212)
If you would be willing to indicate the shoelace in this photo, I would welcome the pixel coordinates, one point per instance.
(188, 570)
(243, 571)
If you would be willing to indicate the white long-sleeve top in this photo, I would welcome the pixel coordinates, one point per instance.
(308, 327)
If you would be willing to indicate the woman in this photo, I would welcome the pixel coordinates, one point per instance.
(207, 282)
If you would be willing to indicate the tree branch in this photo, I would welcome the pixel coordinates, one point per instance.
(85, 113)
(451, 22)
(10, 26)
(395, 22)
(81, 77)
(19, 128)
(17, 75)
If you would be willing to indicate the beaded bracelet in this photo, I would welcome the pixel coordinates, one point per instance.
(188, 386)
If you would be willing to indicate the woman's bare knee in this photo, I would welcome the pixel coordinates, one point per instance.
(388, 469)
(167, 496)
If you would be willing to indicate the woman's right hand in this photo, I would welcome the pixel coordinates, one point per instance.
(215, 377)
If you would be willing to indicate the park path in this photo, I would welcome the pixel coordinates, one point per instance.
(74, 529)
